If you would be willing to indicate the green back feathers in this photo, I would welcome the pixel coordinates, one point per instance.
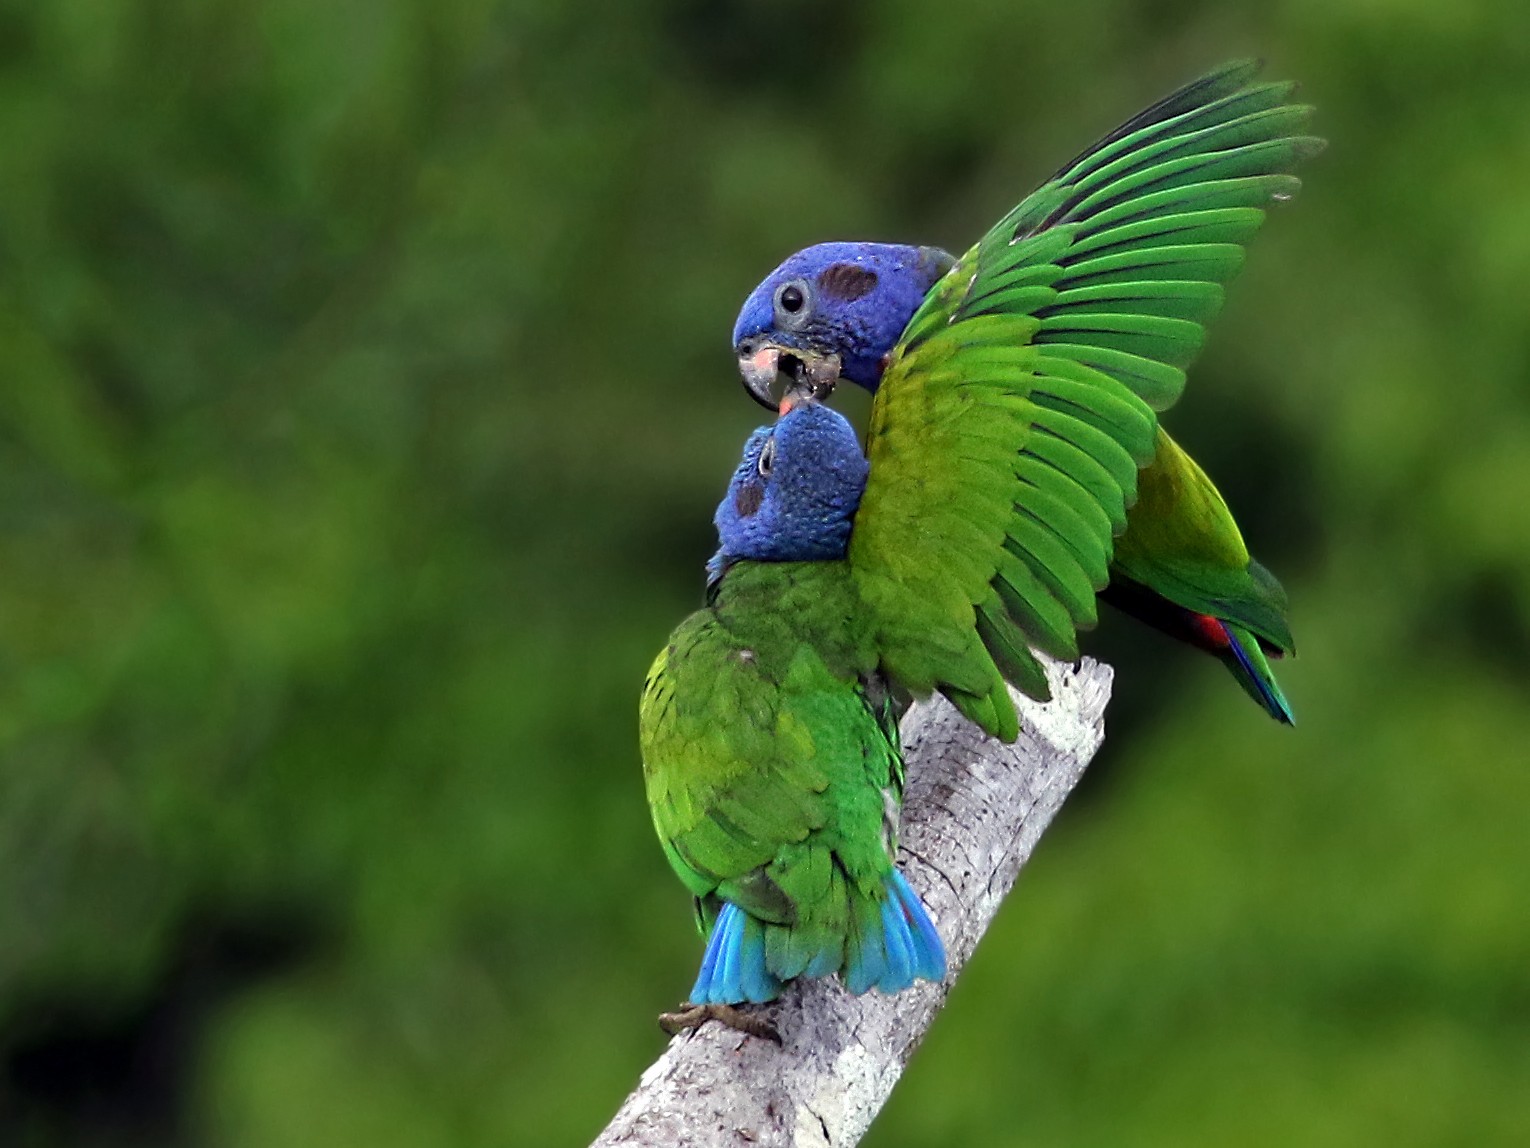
(765, 759)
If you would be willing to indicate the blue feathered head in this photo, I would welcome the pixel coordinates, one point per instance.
(830, 311)
(793, 497)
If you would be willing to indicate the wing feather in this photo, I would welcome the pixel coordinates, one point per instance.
(1093, 486)
(1010, 423)
(1034, 607)
(1171, 298)
(1008, 644)
(1183, 228)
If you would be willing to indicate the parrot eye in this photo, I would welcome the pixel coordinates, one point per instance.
(793, 302)
(767, 458)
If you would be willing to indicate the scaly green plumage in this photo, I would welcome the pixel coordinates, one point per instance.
(772, 764)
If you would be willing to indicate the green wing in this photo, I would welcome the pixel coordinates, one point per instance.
(1011, 421)
(768, 777)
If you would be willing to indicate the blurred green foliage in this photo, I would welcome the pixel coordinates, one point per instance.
(365, 395)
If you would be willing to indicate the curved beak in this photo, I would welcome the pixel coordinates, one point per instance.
(758, 368)
(808, 375)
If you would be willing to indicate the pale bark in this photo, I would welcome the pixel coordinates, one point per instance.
(973, 811)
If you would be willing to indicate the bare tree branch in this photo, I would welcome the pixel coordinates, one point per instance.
(974, 810)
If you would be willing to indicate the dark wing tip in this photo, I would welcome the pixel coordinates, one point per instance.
(1213, 86)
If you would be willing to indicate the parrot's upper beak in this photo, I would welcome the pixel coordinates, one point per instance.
(758, 368)
(807, 374)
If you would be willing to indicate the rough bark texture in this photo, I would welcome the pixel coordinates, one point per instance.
(973, 812)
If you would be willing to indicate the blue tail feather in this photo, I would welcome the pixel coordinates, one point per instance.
(897, 945)
(892, 944)
(865, 956)
(727, 964)
(900, 948)
(733, 969)
(825, 963)
(929, 952)
(757, 982)
(709, 961)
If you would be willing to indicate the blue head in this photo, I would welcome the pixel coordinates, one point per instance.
(830, 311)
(793, 497)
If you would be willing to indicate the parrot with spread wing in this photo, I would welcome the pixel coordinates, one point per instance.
(770, 743)
(1013, 469)
(1023, 381)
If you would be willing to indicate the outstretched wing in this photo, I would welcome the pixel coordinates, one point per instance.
(1010, 423)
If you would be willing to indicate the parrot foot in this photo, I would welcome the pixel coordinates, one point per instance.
(690, 1017)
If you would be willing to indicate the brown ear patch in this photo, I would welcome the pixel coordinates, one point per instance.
(748, 499)
(846, 281)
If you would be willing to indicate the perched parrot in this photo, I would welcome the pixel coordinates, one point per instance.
(1015, 408)
(770, 742)
(1058, 337)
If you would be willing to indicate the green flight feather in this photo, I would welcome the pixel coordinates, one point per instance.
(1013, 413)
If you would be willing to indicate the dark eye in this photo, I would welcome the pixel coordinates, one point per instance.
(793, 301)
(767, 457)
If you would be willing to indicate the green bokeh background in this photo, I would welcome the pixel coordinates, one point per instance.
(365, 392)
